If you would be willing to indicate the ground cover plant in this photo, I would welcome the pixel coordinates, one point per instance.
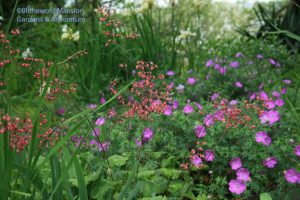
(120, 107)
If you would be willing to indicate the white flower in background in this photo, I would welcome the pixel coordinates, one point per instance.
(68, 34)
(42, 87)
(147, 4)
(1, 18)
(27, 53)
(76, 36)
(185, 34)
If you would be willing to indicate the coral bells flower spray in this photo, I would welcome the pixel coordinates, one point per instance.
(148, 95)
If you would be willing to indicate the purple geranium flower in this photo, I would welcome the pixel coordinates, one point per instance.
(259, 56)
(262, 137)
(100, 121)
(102, 100)
(243, 174)
(200, 131)
(199, 106)
(214, 96)
(191, 81)
(209, 63)
(175, 104)
(209, 155)
(138, 142)
(60, 111)
(147, 135)
(270, 117)
(252, 96)
(235, 163)
(187, 109)
(96, 132)
(196, 160)
(222, 70)
(297, 150)
(92, 106)
(292, 176)
(263, 96)
(238, 84)
(170, 73)
(270, 162)
(283, 90)
(209, 120)
(234, 64)
(272, 61)
(288, 82)
(269, 104)
(237, 186)
(168, 110)
(279, 102)
(233, 102)
(100, 146)
(238, 54)
(276, 94)
(217, 66)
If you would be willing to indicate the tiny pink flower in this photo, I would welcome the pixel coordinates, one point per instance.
(283, 90)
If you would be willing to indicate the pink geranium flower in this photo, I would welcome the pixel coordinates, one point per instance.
(237, 186)
(235, 163)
